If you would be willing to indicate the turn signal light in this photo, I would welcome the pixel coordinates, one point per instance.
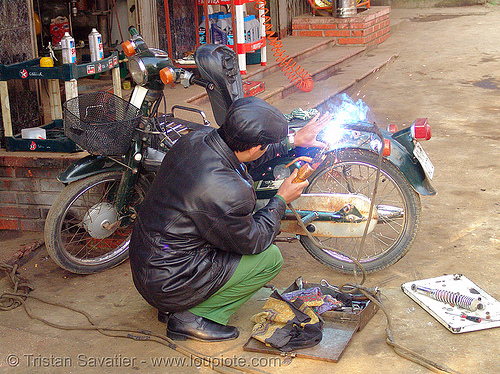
(167, 75)
(392, 128)
(421, 130)
(387, 147)
(128, 48)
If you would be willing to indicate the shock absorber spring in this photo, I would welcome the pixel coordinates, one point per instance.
(452, 298)
(299, 76)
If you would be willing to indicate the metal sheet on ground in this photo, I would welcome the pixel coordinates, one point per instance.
(449, 290)
(336, 337)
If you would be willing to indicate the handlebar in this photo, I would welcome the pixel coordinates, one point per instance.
(135, 44)
(133, 31)
(203, 83)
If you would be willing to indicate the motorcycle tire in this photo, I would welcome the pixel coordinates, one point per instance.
(354, 171)
(74, 235)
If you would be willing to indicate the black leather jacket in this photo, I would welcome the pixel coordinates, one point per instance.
(196, 222)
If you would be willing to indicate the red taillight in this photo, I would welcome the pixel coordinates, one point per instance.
(421, 130)
(128, 48)
(392, 128)
(387, 147)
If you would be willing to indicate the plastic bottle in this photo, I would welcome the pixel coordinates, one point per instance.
(225, 23)
(46, 62)
(202, 31)
(247, 25)
(212, 18)
(95, 44)
(68, 49)
(256, 29)
(252, 29)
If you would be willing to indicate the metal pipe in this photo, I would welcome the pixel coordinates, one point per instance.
(102, 21)
(309, 218)
(320, 216)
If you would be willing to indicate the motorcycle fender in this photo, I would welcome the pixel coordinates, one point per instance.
(86, 167)
(411, 168)
(405, 162)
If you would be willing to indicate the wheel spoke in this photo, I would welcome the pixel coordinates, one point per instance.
(86, 213)
(355, 175)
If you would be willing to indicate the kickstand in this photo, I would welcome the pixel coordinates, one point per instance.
(291, 239)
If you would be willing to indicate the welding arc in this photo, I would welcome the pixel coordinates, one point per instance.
(293, 71)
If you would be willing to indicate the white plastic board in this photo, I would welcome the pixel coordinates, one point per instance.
(450, 315)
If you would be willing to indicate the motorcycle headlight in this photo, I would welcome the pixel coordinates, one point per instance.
(138, 70)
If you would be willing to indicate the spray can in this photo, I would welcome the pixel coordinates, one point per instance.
(68, 49)
(95, 44)
(225, 23)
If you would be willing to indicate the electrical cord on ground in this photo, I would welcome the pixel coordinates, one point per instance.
(373, 294)
(12, 300)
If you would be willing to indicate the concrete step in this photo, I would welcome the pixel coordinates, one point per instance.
(298, 48)
(334, 68)
(301, 49)
(347, 76)
(320, 66)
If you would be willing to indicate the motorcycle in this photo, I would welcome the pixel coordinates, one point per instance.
(88, 227)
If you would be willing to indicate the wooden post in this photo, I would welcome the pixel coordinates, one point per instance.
(132, 13)
(147, 20)
(55, 99)
(71, 89)
(117, 83)
(4, 98)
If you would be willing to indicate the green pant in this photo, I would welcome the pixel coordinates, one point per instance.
(253, 272)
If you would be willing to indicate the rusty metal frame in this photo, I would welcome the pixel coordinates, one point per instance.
(328, 10)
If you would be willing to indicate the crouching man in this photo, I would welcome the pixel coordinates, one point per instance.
(198, 250)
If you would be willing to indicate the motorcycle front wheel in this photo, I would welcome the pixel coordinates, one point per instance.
(83, 233)
(398, 207)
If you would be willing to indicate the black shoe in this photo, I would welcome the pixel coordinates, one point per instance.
(186, 325)
(163, 316)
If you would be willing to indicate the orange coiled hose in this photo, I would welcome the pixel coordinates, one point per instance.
(299, 76)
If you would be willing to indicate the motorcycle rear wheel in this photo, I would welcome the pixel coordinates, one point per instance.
(355, 171)
(74, 233)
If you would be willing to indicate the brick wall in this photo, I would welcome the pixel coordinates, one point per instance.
(369, 27)
(28, 187)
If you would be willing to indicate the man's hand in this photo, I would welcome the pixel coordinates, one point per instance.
(291, 191)
(306, 136)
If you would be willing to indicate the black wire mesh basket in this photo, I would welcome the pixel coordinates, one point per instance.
(101, 123)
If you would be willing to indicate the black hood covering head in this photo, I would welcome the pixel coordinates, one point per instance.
(252, 120)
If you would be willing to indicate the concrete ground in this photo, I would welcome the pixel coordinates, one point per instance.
(448, 71)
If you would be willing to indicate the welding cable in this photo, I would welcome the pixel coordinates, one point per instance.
(299, 76)
(373, 294)
(134, 334)
(11, 300)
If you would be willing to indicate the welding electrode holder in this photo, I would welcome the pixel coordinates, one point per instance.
(304, 172)
(309, 166)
